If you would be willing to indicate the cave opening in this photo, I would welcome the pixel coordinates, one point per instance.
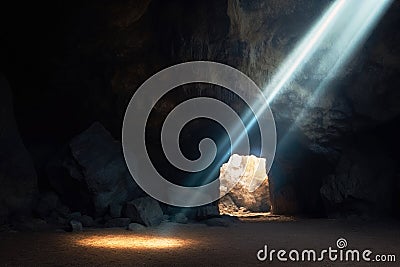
(244, 187)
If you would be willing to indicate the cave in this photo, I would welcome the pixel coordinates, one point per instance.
(196, 132)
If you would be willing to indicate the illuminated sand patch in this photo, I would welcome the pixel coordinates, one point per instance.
(132, 242)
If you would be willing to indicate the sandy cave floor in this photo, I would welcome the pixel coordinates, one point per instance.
(173, 244)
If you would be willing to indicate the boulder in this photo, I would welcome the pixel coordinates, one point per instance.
(18, 180)
(179, 218)
(136, 227)
(251, 190)
(166, 218)
(75, 226)
(145, 210)
(91, 174)
(170, 211)
(86, 220)
(207, 211)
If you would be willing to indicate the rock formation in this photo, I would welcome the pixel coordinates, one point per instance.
(247, 177)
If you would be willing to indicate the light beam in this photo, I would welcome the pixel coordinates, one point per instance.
(339, 32)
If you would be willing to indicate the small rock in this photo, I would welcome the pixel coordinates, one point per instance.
(180, 218)
(145, 210)
(205, 212)
(166, 218)
(118, 222)
(86, 220)
(136, 227)
(75, 226)
(190, 213)
(223, 222)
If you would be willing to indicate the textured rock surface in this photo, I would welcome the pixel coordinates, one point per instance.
(75, 226)
(363, 184)
(93, 170)
(86, 220)
(18, 181)
(144, 210)
(207, 211)
(179, 218)
(268, 33)
(251, 190)
(136, 227)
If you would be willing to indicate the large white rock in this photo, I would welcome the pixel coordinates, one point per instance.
(248, 177)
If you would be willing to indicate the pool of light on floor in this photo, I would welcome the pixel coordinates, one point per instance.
(132, 242)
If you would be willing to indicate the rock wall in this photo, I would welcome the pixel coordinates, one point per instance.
(18, 181)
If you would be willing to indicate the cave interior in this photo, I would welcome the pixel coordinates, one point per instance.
(69, 69)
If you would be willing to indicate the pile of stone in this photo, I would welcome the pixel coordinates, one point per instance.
(93, 188)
